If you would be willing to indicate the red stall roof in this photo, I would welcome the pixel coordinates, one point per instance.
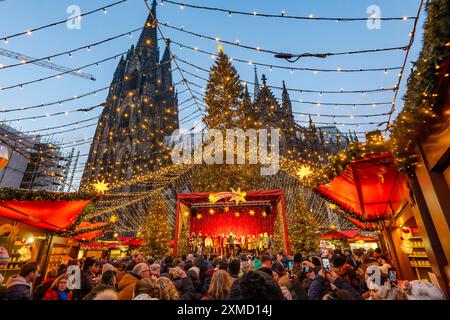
(372, 188)
(91, 230)
(46, 214)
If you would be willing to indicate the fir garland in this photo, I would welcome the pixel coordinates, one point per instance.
(422, 108)
(24, 194)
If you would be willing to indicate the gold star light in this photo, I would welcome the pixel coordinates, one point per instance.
(304, 171)
(252, 212)
(238, 196)
(101, 186)
(113, 218)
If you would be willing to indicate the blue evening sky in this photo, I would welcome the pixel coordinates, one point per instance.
(273, 34)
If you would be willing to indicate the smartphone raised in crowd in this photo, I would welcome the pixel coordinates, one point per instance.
(326, 264)
(392, 275)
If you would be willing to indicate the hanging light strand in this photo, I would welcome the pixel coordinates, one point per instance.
(283, 14)
(31, 30)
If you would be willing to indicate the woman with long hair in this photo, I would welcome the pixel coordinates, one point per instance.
(59, 290)
(168, 289)
(219, 289)
(147, 289)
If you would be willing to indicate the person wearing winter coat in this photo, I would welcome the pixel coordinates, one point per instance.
(320, 283)
(126, 286)
(220, 286)
(41, 289)
(199, 291)
(183, 283)
(86, 275)
(19, 287)
(58, 290)
(259, 285)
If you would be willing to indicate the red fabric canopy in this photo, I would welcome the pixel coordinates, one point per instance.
(46, 214)
(92, 230)
(363, 238)
(372, 188)
(333, 234)
(100, 246)
(130, 241)
(350, 233)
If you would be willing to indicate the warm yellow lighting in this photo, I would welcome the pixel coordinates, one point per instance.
(304, 171)
(101, 186)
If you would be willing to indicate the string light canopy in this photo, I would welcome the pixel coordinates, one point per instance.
(30, 31)
(285, 55)
(290, 68)
(283, 14)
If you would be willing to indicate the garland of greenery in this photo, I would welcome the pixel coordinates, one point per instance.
(24, 194)
(422, 108)
(342, 159)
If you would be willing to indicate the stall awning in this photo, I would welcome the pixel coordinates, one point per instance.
(86, 231)
(333, 235)
(46, 214)
(130, 241)
(371, 188)
(100, 246)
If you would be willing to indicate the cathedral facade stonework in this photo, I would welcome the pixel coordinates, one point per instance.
(140, 111)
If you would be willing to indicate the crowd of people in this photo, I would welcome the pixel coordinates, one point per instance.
(328, 275)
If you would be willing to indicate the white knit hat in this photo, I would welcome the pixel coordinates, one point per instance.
(107, 267)
(196, 270)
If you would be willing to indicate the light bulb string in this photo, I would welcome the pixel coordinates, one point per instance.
(290, 68)
(319, 55)
(405, 60)
(103, 8)
(282, 15)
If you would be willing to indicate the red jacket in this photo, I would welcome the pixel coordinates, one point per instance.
(52, 294)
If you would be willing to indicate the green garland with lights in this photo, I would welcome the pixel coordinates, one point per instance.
(422, 108)
(24, 194)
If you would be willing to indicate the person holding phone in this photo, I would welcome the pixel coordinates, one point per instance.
(329, 274)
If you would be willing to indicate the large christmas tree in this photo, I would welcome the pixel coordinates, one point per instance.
(156, 230)
(303, 229)
(223, 94)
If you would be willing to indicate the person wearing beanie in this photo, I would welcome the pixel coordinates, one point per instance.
(196, 270)
(106, 267)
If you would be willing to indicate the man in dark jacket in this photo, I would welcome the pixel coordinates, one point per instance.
(19, 287)
(258, 285)
(266, 264)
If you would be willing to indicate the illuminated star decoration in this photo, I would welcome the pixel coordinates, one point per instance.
(101, 186)
(238, 196)
(252, 212)
(212, 198)
(237, 214)
(304, 171)
(227, 209)
(211, 211)
(332, 206)
(113, 219)
(199, 216)
(219, 48)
